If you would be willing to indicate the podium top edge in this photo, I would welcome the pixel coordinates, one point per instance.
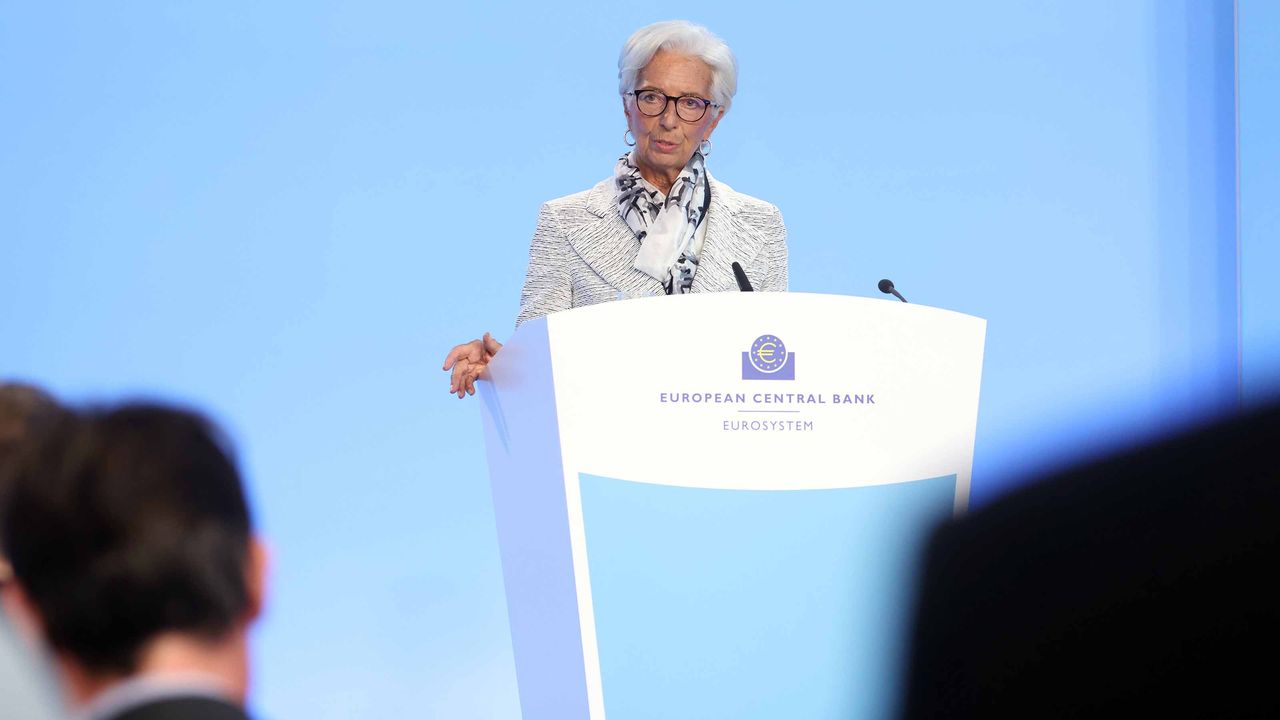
(781, 298)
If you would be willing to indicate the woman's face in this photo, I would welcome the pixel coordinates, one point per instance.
(664, 143)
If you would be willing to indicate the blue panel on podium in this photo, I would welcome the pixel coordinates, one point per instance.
(751, 603)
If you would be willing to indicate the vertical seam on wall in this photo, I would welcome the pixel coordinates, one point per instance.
(1235, 71)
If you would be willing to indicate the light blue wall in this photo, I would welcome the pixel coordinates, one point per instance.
(285, 213)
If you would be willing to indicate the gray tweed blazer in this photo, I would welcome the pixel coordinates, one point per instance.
(582, 251)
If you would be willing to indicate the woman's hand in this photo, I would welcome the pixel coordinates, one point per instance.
(467, 361)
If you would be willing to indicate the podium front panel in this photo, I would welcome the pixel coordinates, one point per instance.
(744, 481)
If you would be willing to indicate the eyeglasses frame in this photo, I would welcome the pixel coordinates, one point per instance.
(635, 94)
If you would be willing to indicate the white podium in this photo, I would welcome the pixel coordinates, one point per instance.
(710, 506)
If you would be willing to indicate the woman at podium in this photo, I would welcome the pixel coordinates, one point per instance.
(660, 224)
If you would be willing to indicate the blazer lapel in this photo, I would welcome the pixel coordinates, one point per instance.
(728, 240)
(609, 247)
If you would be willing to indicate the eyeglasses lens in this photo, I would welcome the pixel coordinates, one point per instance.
(689, 108)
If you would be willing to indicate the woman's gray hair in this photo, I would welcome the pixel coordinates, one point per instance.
(684, 38)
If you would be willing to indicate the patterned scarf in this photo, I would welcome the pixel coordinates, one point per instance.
(667, 227)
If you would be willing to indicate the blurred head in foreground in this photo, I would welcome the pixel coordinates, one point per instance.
(25, 689)
(133, 555)
(1140, 585)
(22, 406)
(24, 410)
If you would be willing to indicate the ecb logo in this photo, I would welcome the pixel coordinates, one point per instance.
(768, 359)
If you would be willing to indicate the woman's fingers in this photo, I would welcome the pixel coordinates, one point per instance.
(455, 378)
(453, 355)
(467, 361)
(467, 383)
(470, 350)
(458, 379)
(491, 346)
(465, 373)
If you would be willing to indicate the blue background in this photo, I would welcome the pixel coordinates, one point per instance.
(286, 213)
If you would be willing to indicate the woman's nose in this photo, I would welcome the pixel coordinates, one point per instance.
(669, 117)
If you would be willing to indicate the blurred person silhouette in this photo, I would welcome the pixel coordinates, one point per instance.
(24, 409)
(1138, 585)
(25, 689)
(134, 557)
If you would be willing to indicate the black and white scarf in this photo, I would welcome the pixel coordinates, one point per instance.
(666, 226)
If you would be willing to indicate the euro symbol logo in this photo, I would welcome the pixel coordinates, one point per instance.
(768, 354)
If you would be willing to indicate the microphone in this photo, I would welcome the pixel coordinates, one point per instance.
(886, 287)
(743, 283)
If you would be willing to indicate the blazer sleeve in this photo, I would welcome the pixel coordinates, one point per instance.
(774, 253)
(547, 288)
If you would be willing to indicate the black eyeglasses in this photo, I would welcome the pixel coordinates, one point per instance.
(689, 108)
